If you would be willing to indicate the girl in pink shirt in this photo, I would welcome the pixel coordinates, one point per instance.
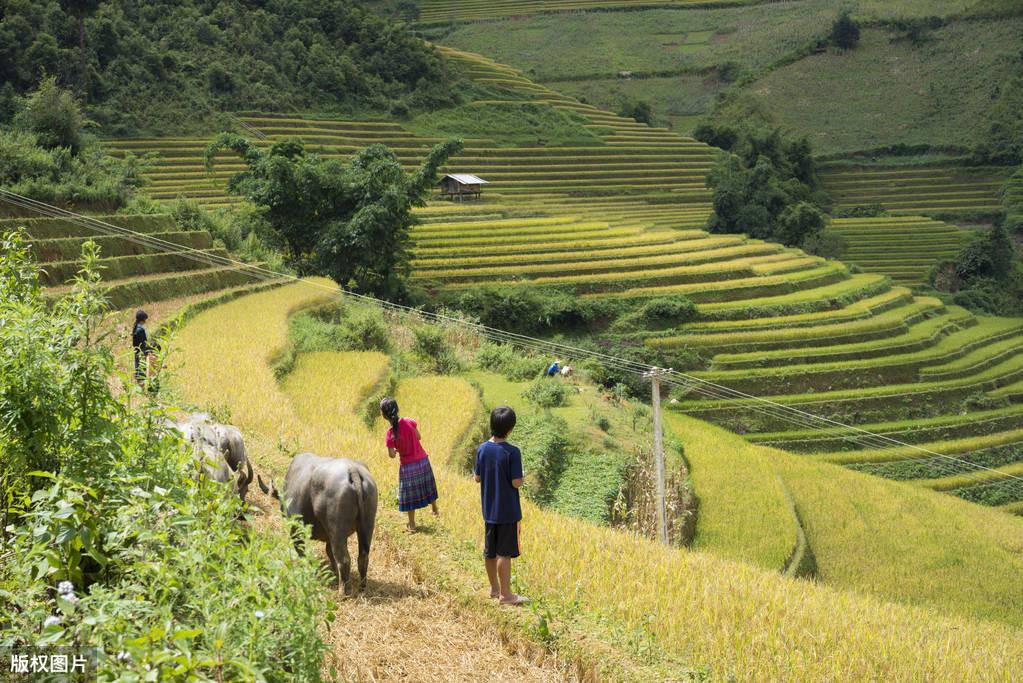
(416, 486)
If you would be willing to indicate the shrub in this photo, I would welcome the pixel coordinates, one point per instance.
(433, 349)
(543, 439)
(637, 109)
(364, 329)
(826, 243)
(547, 392)
(845, 32)
(603, 423)
(533, 310)
(119, 515)
(673, 309)
(53, 115)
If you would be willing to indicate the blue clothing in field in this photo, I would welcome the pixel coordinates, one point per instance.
(497, 464)
(553, 370)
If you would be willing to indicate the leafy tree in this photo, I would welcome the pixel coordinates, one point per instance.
(349, 219)
(639, 110)
(845, 32)
(53, 115)
(767, 187)
(987, 256)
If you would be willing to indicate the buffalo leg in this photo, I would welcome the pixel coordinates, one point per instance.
(343, 568)
(365, 534)
(333, 562)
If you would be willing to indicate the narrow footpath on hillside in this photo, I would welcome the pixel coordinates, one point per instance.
(403, 629)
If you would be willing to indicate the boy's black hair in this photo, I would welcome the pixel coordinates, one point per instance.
(502, 421)
(141, 316)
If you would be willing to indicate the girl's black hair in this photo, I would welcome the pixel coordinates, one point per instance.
(389, 409)
(141, 316)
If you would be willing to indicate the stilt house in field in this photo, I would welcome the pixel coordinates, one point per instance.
(461, 186)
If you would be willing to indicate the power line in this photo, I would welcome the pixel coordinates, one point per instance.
(757, 404)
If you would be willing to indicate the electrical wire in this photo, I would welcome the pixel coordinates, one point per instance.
(737, 399)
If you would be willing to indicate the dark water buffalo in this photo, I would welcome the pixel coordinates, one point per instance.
(221, 450)
(336, 497)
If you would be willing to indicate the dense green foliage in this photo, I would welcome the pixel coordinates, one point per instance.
(532, 310)
(986, 276)
(113, 532)
(159, 66)
(845, 32)
(46, 155)
(767, 187)
(347, 219)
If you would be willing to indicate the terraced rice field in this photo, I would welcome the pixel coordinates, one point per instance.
(632, 162)
(622, 219)
(929, 190)
(133, 273)
(958, 587)
(904, 248)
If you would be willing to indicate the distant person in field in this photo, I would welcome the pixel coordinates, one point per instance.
(554, 369)
(499, 473)
(417, 487)
(144, 350)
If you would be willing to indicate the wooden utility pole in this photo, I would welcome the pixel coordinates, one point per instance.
(654, 375)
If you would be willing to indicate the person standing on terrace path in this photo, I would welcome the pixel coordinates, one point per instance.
(417, 487)
(498, 471)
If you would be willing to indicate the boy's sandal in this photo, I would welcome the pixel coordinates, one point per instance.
(515, 600)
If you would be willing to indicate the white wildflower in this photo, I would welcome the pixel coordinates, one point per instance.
(65, 587)
(51, 621)
(259, 613)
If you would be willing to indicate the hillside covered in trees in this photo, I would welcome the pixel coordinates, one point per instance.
(164, 66)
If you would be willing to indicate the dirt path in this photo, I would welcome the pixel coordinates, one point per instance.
(402, 629)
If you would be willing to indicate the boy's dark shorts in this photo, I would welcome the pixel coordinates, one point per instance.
(501, 539)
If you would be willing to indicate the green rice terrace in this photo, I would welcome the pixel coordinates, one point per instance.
(622, 218)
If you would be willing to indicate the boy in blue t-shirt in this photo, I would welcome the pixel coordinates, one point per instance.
(499, 472)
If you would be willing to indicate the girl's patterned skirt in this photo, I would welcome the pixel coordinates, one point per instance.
(416, 485)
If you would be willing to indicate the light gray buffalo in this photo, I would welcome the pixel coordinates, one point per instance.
(220, 449)
(336, 497)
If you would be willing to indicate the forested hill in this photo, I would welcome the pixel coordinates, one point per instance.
(164, 66)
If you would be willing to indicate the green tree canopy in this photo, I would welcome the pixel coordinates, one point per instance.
(169, 65)
(845, 32)
(347, 219)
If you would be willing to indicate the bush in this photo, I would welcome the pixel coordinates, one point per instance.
(433, 350)
(826, 243)
(340, 328)
(53, 115)
(845, 32)
(637, 109)
(675, 310)
(547, 392)
(533, 310)
(543, 439)
(118, 514)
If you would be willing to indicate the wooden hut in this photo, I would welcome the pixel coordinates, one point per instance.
(461, 186)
